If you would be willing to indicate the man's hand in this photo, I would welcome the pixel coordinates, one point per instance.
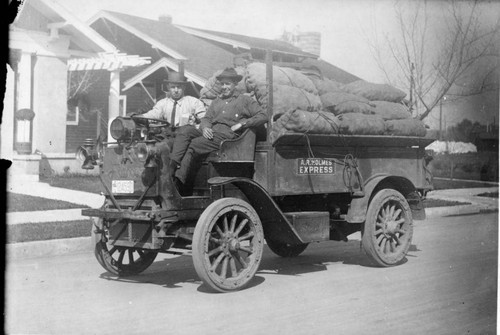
(208, 133)
(236, 127)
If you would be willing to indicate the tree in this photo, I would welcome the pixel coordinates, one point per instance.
(442, 50)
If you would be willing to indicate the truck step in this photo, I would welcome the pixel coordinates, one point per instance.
(311, 226)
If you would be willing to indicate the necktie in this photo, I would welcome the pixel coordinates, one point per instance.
(172, 122)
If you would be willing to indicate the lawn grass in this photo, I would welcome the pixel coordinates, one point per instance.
(26, 203)
(447, 184)
(431, 203)
(489, 195)
(41, 231)
(77, 182)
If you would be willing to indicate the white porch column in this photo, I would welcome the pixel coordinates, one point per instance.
(24, 81)
(7, 126)
(114, 98)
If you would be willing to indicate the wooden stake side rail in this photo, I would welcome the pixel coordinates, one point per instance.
(338, 140)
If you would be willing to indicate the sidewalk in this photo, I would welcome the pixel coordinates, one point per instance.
(62, 246)
(44, 190)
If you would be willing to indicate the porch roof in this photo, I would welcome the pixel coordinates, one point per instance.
(82, 36)
(162, 63)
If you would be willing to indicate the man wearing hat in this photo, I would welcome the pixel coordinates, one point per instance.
(178, 109)
(228, 115)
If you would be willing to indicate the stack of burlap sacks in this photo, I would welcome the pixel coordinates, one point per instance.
(307, 103)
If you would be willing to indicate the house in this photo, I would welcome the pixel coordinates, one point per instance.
(37, 120)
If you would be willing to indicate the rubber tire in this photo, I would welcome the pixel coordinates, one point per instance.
(115, 266)
(203, 246)
(286, 250)
(382, 200)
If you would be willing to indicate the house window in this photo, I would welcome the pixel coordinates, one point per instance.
(72, 115)
(122, 105)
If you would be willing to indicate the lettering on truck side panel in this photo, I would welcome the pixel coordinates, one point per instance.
(317, 166)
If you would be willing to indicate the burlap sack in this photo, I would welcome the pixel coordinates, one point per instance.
(361, 124)
(406, 127)
(299, 121)
(352, 107)
(256, 78)
(288, 98)
(332, 99)
(375, 92)
(342, 102)
(391, 110)
(212, 88)
(326, 85)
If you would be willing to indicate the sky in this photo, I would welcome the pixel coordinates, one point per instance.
(346, 26)
(339, 22)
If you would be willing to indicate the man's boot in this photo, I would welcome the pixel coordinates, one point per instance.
(172, 168)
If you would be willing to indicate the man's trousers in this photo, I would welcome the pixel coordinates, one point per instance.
(200, 147)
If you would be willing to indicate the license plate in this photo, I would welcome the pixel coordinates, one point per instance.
(310, 166)
(122, 186)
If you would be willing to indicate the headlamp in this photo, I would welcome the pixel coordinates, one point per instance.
(146, 153)
(122, 129)
(142, 151)
(87, 154)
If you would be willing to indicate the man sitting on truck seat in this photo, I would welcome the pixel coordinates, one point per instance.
(228, 115)
(178, 109)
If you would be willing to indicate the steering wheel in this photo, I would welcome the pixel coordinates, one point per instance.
(140, 119)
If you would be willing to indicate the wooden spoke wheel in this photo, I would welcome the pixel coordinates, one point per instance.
(120, 261)
(284, 249)
(227, 244)
(388, 228)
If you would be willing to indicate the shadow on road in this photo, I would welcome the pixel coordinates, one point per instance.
(176, 270)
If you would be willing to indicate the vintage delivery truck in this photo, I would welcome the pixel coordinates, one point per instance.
(300, 189)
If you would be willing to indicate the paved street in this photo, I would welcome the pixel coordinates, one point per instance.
(448, 286)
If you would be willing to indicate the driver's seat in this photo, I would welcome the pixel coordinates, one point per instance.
(237, 150)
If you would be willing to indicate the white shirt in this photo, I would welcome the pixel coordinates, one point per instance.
(188, 110)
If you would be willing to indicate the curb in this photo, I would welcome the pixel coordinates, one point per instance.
(435, 212)
(36, 249)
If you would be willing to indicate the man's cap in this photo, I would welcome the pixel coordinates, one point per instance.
(229, 73)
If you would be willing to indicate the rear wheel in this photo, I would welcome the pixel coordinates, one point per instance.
(284, 249)
(227, 244)
(120, 261)
(388, 228)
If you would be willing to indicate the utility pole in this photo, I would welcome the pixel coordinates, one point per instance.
(441, 119)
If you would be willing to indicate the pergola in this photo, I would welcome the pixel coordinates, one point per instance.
(114, 63)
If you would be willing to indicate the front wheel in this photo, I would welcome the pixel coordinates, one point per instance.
(227, 244)
(120, 261)
(388, 228)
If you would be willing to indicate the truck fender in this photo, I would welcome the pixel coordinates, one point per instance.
(274, 223)
(358, 207)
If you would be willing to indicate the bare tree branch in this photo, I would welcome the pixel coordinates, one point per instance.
(440, 58)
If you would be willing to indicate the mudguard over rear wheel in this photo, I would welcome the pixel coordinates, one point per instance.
(388, 229)
(284, 249)
(227, 244)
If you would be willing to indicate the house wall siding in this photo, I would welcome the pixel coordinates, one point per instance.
(138, 101)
